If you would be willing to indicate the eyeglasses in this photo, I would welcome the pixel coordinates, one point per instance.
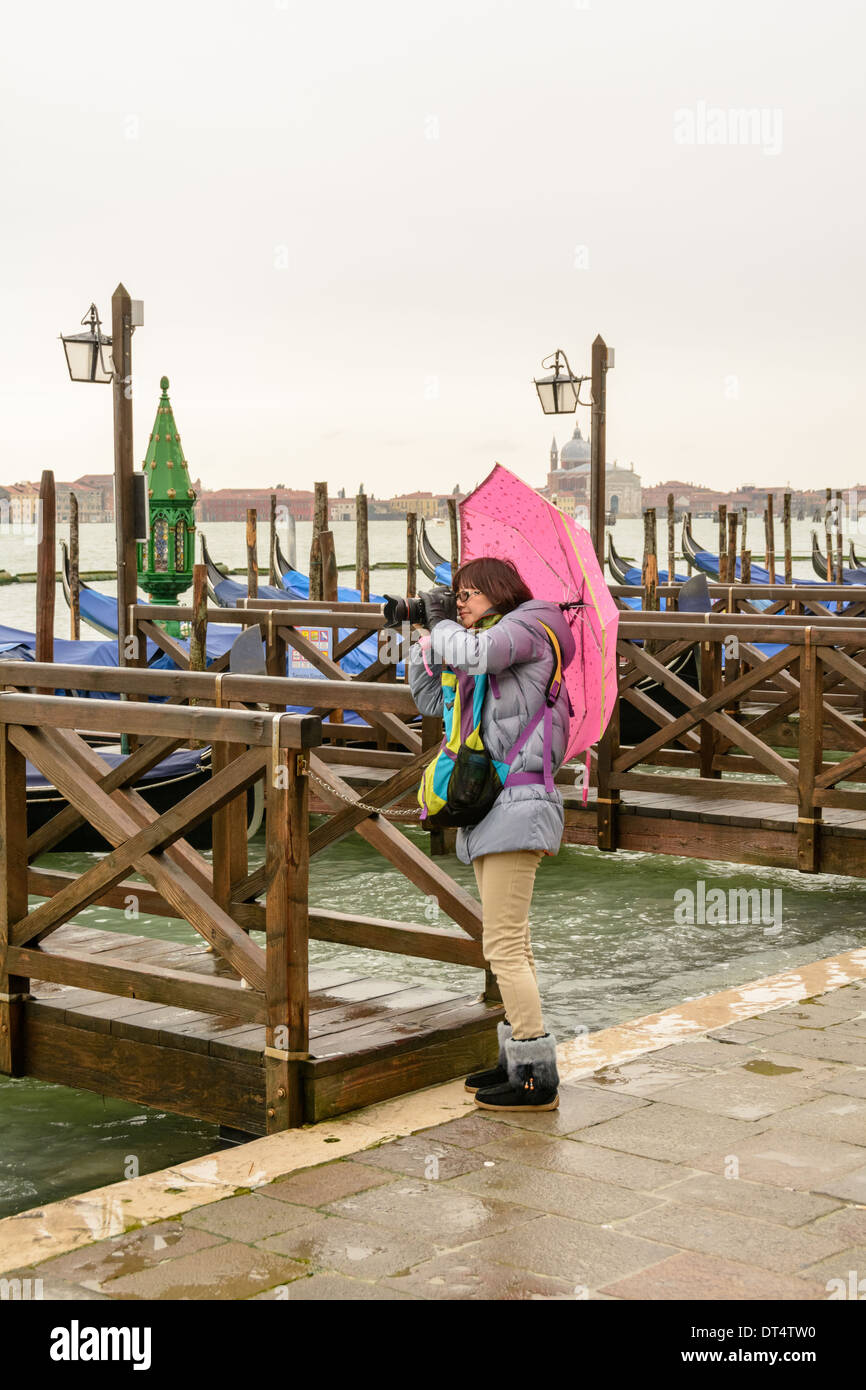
(463, 594)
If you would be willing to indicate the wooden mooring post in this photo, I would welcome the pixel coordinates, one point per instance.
(273, 577)
(732, 546)
(786, 532)
(723, 543)
(320, 523)
(46, 569)
(362, 548)
(671, 539)
(74, 581)
(411, 553)
(650, 569)
(455, 536)
(252, 555)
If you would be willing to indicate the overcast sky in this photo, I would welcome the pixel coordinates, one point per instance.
(357, 228)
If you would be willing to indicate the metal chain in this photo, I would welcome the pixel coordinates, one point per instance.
(364, 805)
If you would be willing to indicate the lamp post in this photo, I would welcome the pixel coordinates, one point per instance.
(559, 394)
(93, 357)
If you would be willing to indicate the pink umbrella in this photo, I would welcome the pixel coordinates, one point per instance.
(506, 518)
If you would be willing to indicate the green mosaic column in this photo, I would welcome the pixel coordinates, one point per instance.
(165, 561)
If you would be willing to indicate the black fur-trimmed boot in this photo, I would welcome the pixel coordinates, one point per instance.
(493, 1076)
(532, 1077)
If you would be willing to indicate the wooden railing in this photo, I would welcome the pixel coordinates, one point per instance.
(729, 729)
(222, 901)
(804, 600)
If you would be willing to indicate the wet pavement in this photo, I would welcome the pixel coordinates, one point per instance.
(729, 1166)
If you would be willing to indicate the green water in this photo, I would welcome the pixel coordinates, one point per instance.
(607, 949)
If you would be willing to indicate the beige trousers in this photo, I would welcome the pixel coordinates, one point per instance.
(505, 882)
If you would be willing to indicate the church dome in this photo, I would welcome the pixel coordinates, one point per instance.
(576, 451)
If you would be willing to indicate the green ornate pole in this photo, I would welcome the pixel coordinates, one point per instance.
(165, 561)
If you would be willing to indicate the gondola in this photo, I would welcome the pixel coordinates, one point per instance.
(631, 574)
(100, 612)
(635, 726)
(857, 575)
(226, 592)
(434, 565)
(174, 778)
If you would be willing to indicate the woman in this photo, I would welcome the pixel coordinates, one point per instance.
(500, 631)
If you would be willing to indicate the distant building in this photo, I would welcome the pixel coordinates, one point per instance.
(103, 485)
(90, 503)
(231, 503)
(426, 504)
(568, 479)
(23, 503)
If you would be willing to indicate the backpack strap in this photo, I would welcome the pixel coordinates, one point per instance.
(545, 712)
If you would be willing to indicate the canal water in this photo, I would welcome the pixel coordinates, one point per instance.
(609, 937)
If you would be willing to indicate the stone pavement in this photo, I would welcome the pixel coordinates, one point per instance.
(732, 1166)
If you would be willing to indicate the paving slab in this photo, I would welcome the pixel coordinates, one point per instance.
(822, 1013)
(588, 1256)
(470, 1131)
(830, 1116)
(575, 1155)
(421, 1157)
(225, 1271)
(332, 1288)
(847, 1082)
(847, 1221)
(433, 1209)
(786, 1158)
(672, 1132)
(645, 1076)
(750, 1030)
(793, 1066)
(92, 1265)
(848, 1265)
(247, 1218)
(761, 1200)
(342, 1246)
(830, 1043)
(739, 1094)
(313, 1187)
(707, 1053)
(465, 1275)
(560, 1194)
(704, 1277)
(732, 1236)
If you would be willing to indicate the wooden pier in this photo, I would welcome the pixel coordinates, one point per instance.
(244, 1034)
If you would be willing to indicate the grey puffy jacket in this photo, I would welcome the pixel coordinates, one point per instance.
(518, 652)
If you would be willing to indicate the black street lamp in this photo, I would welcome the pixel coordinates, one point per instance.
(88, 355)
(559, 394)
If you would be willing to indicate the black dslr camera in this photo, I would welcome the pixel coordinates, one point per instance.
(414, 610)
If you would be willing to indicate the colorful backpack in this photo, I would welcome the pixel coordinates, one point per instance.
(463, 781)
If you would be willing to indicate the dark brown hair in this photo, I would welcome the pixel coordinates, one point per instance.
(499, 579)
